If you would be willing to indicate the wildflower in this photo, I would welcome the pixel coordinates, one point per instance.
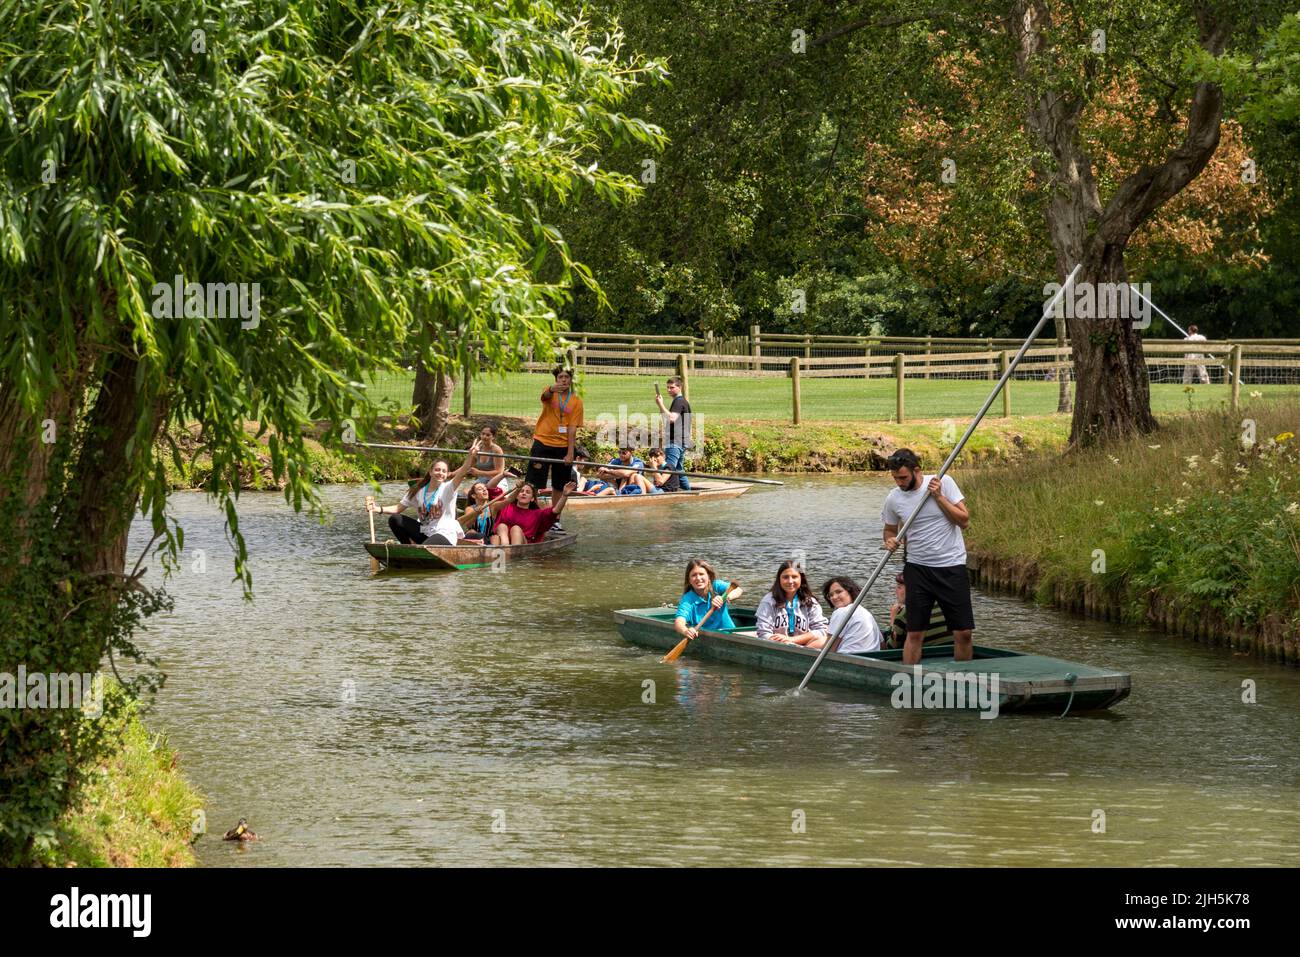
(1193, 461)
(1284, 436)
(1256, 394)
(1217, 458)
(1240, 468)
(1097, 501)
(1114, 459)
(1153, 447)
(1291, 509)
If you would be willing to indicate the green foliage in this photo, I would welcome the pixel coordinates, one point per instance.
(378, 170)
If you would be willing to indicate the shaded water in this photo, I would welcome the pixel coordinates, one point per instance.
(509, 697)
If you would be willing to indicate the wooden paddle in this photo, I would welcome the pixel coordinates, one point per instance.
(681, 645)
(374, 562)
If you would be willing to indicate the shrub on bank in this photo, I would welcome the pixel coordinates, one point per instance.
(1201, 517)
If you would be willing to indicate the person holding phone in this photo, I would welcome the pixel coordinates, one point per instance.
(677, 427)
(556, 433)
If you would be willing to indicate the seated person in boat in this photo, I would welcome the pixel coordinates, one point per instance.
(490, 461)
(434, 501)
(701, 591)
(789, 613)
(588, 486)
(661, 478)
(523, 521)
(624, 472)
(937, 632)
(480, 517)
(860, 632)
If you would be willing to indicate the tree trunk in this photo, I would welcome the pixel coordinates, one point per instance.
(432, 400)
(1112, 392)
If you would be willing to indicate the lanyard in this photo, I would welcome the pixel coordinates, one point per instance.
(791, 610)
(427, 496)
(567, 399)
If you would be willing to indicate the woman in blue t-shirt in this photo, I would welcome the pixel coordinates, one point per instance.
(701, 591)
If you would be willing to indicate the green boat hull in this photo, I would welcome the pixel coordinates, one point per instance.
(450, 558)
(1023, 682)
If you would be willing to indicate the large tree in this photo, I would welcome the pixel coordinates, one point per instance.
(376, 170)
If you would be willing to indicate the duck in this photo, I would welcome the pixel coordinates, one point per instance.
(241, 832)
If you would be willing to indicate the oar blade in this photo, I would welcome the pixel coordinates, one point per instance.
(676, 652)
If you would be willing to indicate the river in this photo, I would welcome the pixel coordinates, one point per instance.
(497, 718)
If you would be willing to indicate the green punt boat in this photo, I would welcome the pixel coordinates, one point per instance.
(453, 558)
(1021, 682)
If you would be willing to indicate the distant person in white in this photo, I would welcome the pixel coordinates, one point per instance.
(934, 565)
(1202, 374)
(860, 633)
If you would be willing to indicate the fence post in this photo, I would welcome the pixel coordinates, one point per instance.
(684, 373)
(900, 361)
(636, 353)
(1236, 376)
(991, 375)
(929, 347)
(708, 340)
(756, 347)
(867, 364)
(795, 397)
(807, 347)
(1004, 360)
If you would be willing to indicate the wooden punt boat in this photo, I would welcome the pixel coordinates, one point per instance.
(700, 492)
(459, 557)
(1024, 682)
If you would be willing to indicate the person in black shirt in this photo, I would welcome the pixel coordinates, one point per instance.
(663, 481)
(677, 427)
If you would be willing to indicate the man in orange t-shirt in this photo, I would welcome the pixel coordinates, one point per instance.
(556, 432)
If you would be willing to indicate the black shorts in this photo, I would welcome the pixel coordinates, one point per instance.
(948, 587)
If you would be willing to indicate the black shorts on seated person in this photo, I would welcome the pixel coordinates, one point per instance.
(948, 587)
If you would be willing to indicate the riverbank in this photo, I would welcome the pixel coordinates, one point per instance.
(734, 447)
(136, 810)
(1194, 530)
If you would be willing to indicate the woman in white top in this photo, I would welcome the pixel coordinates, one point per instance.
(861, 633)
(434, 501)
(789, 613)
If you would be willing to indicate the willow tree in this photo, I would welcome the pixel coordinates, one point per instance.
(214, 214)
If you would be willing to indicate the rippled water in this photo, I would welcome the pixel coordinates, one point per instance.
(510, 698)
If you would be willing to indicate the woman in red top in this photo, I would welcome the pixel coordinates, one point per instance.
(524, 521)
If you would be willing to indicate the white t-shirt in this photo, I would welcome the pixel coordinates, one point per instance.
(860, 634)
(932, 540)
(446, 526)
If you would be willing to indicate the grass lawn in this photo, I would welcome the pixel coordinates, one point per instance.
(825, 400)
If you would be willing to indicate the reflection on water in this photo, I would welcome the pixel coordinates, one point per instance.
(479, 697)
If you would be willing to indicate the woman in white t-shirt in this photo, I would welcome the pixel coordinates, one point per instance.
(861, 633)
(434, 501)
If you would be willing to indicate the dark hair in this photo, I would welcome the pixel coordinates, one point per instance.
(582, 452)
(1192, 330)
(656, 452)
(693, 564)
(903, 458)
(490, 428)
(469, 496)
(803, 594)
(531, 505)
(848, 584)
(674, 380)
(561, 370)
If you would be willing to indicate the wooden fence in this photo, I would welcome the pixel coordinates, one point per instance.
(1253, 361)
